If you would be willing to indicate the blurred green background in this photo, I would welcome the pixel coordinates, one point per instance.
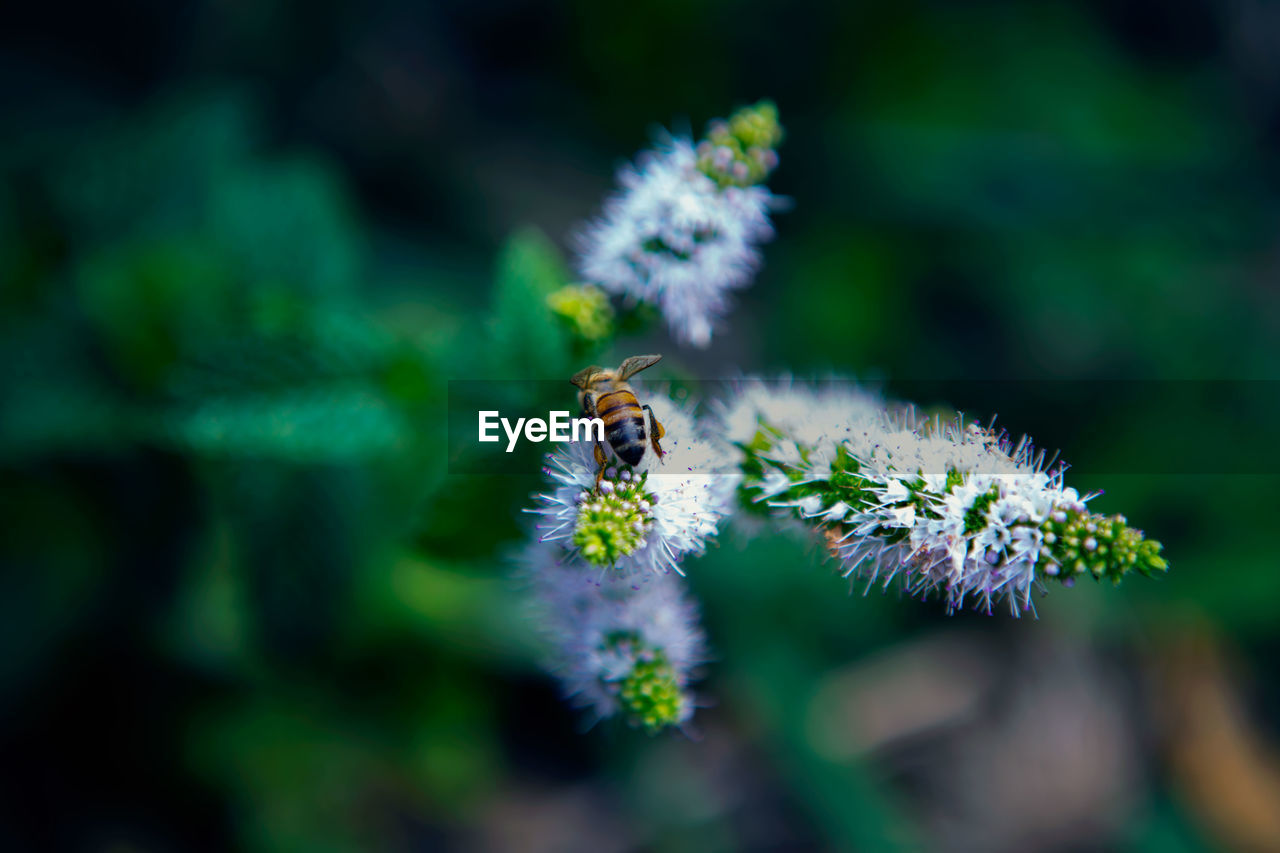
(245, 246)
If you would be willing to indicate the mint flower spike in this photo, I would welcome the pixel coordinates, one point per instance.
(942, 507)
(684, 230)
(645, 519)
(619, 647)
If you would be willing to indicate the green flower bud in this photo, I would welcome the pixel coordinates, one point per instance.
(1080, 542)
(612, 523)
(651, 695)
(741, 151)
(585, 309)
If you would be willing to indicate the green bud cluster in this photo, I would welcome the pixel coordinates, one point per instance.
(741, 151)
(651, 695)
(1080, 542)
(612, 523)
(585, 309)
(847, 483)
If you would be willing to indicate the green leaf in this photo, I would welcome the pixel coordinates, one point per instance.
(529, 340)
(150, 299)
(153, 174)
(324, 423)
(287, 225)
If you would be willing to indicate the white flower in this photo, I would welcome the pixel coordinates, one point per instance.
(895, 492)
(775, 483)
(815, 414)
(618, 645)
(675, 239)
(945, 508)
(644, 519)
(985, 501)
(904, 516)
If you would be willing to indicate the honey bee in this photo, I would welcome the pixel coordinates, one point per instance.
(606, 395)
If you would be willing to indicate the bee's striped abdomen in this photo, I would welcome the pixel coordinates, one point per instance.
(623, 424)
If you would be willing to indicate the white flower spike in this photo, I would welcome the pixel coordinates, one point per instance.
(618, 645)
(685, 229)
(941, 507)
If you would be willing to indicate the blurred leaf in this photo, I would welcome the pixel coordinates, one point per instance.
(317, 424)
(151, 301)
(301, 780)
(529, 341)
(208, 626)
(53, 400)
(306, 775)
(287, 225)
(448, 605)
(152, 173)
(307, 387)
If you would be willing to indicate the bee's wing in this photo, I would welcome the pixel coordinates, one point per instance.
(580, 378)
(635, 364)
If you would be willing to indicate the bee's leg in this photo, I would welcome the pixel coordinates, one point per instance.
(601, 461)
(656, 431)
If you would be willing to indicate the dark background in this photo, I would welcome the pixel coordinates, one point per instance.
(245, 246)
